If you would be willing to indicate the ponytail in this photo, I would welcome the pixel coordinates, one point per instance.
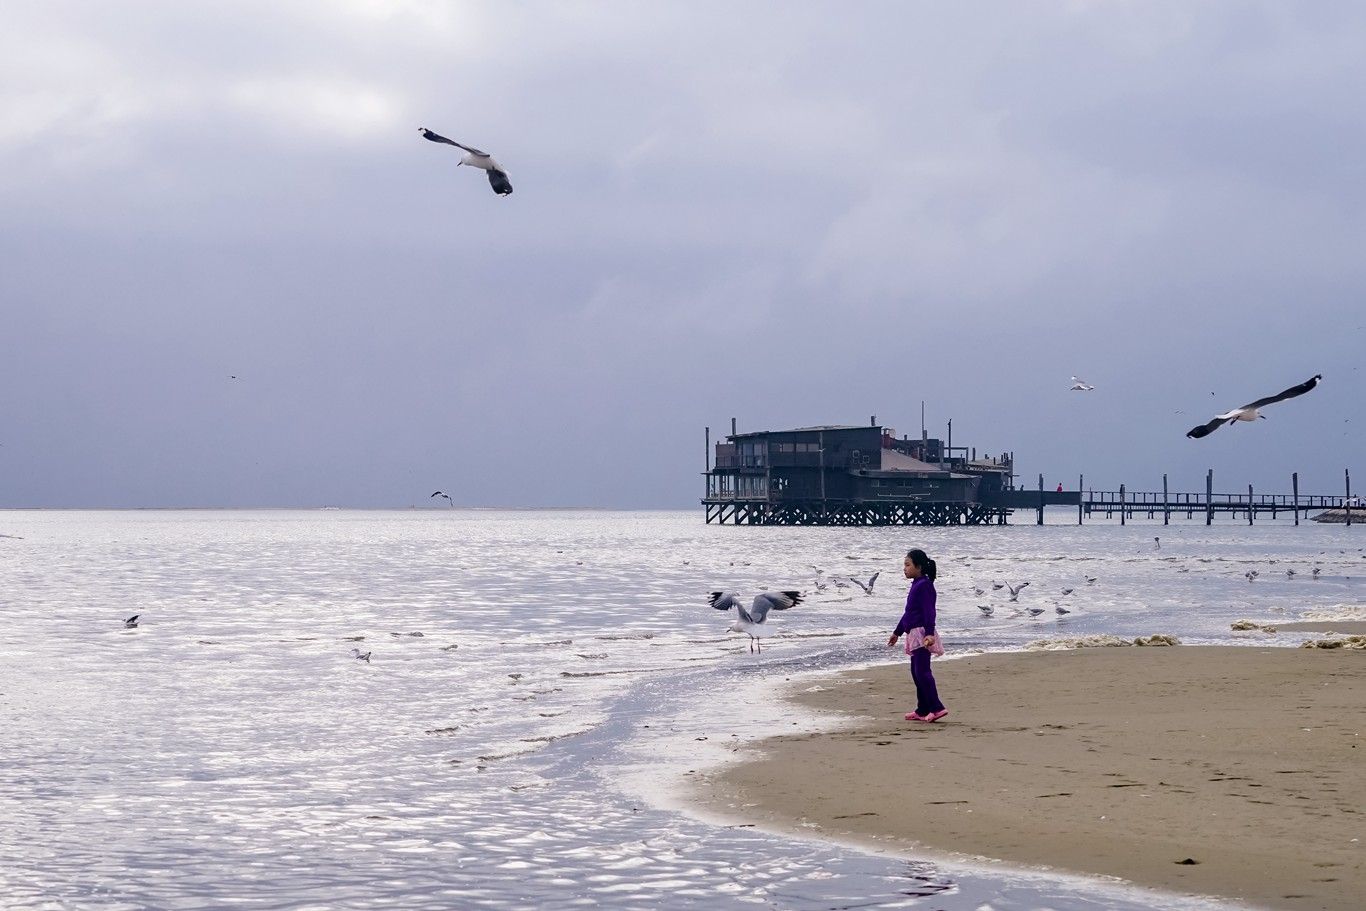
(926, 565)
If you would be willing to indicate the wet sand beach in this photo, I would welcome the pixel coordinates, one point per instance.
(1230, 771)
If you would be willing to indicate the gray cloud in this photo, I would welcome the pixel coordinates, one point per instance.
(792, 214)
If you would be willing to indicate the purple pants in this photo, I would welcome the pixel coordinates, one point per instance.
(926, 693)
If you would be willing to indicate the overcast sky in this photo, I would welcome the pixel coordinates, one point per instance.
(790, 213)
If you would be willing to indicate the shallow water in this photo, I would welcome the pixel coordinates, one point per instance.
(230, 751)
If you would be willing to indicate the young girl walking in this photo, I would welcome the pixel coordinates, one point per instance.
(917, 624)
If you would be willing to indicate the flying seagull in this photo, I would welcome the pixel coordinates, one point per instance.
(751, 619)
(440, 494)
(1249, 412)
(498, 178)
(131, 622)
(868, 587)
(1080, 385)
(1015, 590)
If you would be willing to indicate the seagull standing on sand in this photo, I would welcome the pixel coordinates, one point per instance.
(986, 609)
(1080, 385)
(360, 656)
(1249, 412)
(751, 619)
(498, 178)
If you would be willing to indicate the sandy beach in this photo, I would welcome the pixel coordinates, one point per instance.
(1226, 771)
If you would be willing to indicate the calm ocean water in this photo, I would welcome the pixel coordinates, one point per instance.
(538, 682)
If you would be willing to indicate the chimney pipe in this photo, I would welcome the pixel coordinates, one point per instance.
(872, 421)
(732, 426)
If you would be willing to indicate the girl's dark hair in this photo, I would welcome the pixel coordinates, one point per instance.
(926, 565)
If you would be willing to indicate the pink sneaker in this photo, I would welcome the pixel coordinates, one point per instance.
(912, 716)
(935, 716)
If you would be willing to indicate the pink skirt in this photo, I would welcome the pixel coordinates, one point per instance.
(915, 638)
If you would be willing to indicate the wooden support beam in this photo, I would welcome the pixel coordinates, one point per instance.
(1295, 487)
(1166, 506)
(1209, 497)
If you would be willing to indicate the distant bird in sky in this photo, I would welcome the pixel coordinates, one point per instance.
(868, 586)
(232, 377)
(1080, 385)
(1015, 590)
(440, 494)
(131, 622)
(1249, 412)
(498, 178)
(751, 619)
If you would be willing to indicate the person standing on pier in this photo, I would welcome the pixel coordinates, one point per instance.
(917, 624)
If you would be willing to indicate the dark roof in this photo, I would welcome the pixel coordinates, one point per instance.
(817, 429)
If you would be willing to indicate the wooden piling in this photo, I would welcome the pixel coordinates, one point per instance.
(1295, 487)
(1209, 497)
(1166, 506)
(1249, 504)
(1081, 485)
(1040, 499)
(1347, 503)
(1122, 511)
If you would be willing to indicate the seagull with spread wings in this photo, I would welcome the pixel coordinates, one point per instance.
(1249, 412)
(1080, 385)
(866, 586)
(440, 494)
(498, 178)
(751, 619)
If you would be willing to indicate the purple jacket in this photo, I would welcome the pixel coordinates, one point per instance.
(919, 608)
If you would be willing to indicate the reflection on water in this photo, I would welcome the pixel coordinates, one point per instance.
(231, 751)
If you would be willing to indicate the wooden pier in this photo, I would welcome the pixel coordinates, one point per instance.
(1166, 503)
(864, 475)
